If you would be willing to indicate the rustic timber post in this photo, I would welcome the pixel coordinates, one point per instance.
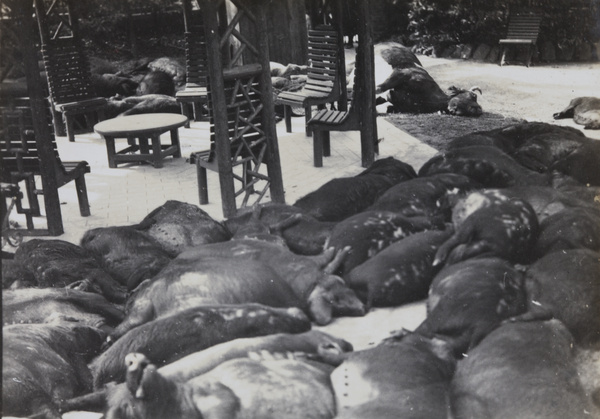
(368, 131)
(39, 105)
(273, 162)
(219, 106)
(240, 99)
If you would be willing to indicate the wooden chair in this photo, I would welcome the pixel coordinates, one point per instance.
(361, 116)
(21, 162)
(523, 29)
(243, 135)
(70, 85)
(325, 76)
(195, 94)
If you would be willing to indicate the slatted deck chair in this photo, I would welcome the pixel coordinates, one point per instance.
(70, 85)
(195, 93)
(324, 76)
(523, 29)
(21, 162)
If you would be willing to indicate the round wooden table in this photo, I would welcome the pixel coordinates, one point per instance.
(137, 129)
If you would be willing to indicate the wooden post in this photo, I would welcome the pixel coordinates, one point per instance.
(368, 130)
(39, 111)
(219, 107)
(273, 161)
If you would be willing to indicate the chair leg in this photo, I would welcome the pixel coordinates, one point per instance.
(82, 196)
(186, 112)
(287, 115)
(175, 141)
(503, 57)
(70, 123)
(326, 144)
(319, 138)
(307, 117)
(202, 184)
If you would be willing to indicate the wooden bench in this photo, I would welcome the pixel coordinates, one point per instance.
(523, 29)
(69, 82)
(324, 76)
(195, 93)
(21, 162)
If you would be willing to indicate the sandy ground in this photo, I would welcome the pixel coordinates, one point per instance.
(510, 93)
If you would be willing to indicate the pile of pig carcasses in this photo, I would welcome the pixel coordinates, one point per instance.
(183, 316)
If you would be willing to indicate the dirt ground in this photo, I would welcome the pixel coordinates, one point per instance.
(511, 93)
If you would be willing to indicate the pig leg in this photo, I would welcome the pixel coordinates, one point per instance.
(461, 236)
(336, 262)
(277, 228)
(466, 251)
(92, 402)
(565, 113)
(140, 313)
(535, 310)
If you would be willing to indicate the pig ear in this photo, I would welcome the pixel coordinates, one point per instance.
(320, 308)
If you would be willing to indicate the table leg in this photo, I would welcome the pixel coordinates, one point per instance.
(156, 151)
(175, 141)
(144, 147)
(110, 151)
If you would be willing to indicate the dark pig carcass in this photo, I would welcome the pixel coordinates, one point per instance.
(571, 228)
(156, 82)
(281, 344)
(340, 198)
(32, 305)
(584, 111)
(470, 299)
(368, 233)
(277, 345)
(520, 371)
(489, 166)
(506, 228)
(428, 196)
(177, 225)
(402, 377)
(310, 277)
(170, 338)
(306, 236)
(58, 263)
(400, 273)
(189, 283)
(128, 254)
(43, 364)
(566, 285)
(238, 388)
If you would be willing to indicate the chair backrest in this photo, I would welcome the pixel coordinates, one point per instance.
(323, 58)
(244, 116)
(18, 146)
(196, 63)
(524, 26)
(68, 71)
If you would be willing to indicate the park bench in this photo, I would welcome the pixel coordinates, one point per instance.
(21, 162)
(324, 76)
(523, 30)
(69, 82)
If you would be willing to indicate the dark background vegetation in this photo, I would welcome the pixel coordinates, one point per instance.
(570, 28)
